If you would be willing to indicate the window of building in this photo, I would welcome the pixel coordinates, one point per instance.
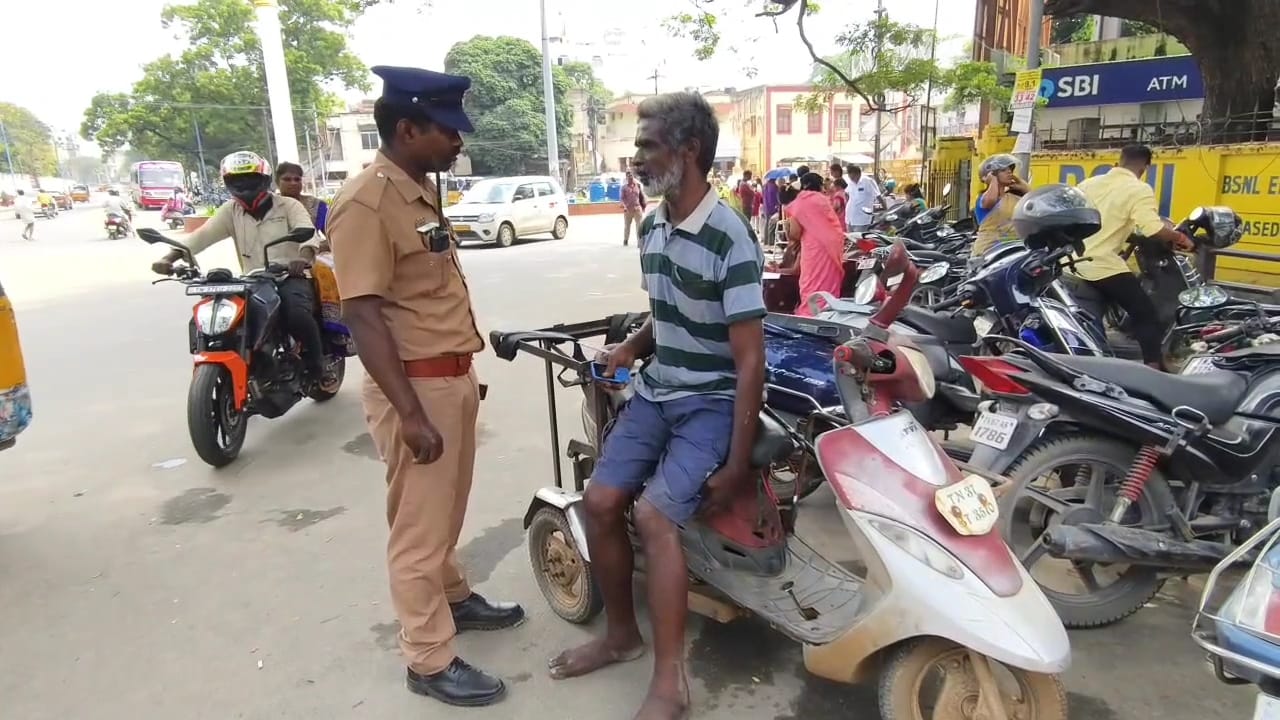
(843, 119)
(783, 119)
(815, 123)
(369, 137)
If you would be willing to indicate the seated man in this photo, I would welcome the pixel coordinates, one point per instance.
(116, 205)
(683, 442)
(253, 217)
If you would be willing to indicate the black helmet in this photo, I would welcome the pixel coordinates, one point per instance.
(1054, 215)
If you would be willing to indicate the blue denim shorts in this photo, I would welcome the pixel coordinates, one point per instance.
(665, 451)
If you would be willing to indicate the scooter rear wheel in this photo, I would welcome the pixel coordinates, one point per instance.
(948, 670)
(563, 575)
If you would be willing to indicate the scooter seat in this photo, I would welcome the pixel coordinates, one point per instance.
(1215, 394)
(946, 328)
(772, 445)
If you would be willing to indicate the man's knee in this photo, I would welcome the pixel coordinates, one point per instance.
(650, 521)
(606, 506)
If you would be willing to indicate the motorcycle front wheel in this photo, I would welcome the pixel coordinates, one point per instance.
(936, 678)
(217, 428)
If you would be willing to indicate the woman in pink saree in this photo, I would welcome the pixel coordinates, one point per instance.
(818, 238)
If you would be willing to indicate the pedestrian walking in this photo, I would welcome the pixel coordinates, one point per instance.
(408, 306)
(26, 213)
(863, 193)
(632, 208)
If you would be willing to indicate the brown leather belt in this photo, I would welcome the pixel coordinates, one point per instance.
(438, 367)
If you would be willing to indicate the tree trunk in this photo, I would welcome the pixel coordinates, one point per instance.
(1235, 43)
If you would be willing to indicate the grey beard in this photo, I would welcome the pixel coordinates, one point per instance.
(666, 185)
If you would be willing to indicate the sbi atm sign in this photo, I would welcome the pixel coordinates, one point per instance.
(1161, 79)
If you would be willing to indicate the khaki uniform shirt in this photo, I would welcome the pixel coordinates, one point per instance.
(377, 250)
(250, 234)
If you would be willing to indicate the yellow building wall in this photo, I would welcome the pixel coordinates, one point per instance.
(1245, 178)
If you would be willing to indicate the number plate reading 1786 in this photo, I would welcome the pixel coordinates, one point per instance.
(993, 430)
(866, 263)
(969, 506)
(220, 289)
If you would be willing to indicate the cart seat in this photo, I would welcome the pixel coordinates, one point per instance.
(773, 443)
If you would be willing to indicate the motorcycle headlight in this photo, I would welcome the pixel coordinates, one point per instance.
(934, 272)
(918, 546)
(486, 217)
(215, 317)
(865, 292)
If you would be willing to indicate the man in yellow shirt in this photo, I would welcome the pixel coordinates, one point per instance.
(1128, 206)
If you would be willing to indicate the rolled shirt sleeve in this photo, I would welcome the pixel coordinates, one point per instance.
(742, 287)
(363, 258)
(1145, 213)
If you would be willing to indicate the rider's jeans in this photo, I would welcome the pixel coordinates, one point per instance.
(298, 301)
(1125, 289)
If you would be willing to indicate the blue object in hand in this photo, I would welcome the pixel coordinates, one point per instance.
(621, 376)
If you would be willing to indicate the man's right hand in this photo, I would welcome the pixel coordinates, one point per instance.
(616, 356)
(423, 439)
(162, 267)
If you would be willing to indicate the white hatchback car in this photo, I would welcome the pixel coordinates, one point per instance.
(501, 210)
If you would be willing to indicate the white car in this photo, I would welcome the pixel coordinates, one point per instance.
(502, 210)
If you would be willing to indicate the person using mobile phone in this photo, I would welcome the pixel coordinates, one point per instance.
(994, 209)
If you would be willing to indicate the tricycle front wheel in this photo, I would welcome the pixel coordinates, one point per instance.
(936, 678)
(563, 575)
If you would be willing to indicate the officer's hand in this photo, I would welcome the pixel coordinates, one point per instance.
(162, 267)
(423, 439)
(298, 268)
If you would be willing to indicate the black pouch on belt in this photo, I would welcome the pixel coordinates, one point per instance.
(484, 391)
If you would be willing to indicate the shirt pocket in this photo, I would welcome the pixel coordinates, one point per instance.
(423, 272)
(695, 285)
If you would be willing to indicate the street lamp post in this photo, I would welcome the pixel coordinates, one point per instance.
(549, 99)
(1033, 63)
(286, 138)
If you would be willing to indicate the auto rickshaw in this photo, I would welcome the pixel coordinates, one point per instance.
(15, 399)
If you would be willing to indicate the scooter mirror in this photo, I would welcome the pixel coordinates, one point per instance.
(1196, 214)
(150, 235)
(946, 189)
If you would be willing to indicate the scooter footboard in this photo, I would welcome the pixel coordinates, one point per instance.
(813, 600)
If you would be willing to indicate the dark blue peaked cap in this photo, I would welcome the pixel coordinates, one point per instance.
(438, 94)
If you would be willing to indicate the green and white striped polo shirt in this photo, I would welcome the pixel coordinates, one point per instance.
(702, 276)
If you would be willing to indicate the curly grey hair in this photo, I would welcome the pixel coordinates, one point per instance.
(684, 117)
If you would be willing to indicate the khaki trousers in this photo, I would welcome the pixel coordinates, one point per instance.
(426, 505)
(631, 217)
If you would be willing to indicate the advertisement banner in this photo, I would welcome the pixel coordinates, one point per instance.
(1161, 79)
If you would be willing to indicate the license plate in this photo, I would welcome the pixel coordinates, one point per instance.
(1199, 365)
(969, 506)
(993, 430)
(222, 289)
(866, 263)
(1266, 708)
(462, 228)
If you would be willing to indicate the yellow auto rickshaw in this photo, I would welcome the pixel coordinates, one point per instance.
(15, 399)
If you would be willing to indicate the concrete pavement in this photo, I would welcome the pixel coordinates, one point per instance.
(139, 583)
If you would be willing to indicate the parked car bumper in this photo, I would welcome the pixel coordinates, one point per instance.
(476, 231)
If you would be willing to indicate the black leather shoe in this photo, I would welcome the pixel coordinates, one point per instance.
(458, 684)
(476, 613)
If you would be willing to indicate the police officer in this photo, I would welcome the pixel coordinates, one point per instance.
(407, 304)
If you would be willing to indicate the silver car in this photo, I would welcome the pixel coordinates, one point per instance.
(502, 210)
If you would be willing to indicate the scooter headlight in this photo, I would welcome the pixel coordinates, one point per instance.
(934, 273)
(865, 292)
(215, 317)
(918, 546)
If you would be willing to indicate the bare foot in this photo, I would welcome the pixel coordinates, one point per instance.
(592, 656)
(657, 707)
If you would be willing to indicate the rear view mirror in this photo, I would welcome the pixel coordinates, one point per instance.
(151, 236)
(946, 189)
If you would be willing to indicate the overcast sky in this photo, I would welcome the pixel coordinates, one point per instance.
(56, 55)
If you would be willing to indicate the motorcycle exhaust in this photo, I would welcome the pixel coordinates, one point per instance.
(1097, 543)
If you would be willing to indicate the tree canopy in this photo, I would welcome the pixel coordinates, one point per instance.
(29, 142)
(216, 86)
(506, 102)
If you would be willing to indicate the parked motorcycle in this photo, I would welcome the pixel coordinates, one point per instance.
(246, 364)
(940, 590)
(1238, 622)
(117, 226)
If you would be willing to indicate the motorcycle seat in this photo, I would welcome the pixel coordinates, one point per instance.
(1216, 394)
(946, 328)
(932, 256)
(772, 445)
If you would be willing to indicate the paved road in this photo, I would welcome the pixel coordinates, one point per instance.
(142, 584)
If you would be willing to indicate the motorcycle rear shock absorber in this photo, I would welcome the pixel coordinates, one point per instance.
(1144, 463)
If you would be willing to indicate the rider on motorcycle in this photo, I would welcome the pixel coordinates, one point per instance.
(115, 205)
(253, 217)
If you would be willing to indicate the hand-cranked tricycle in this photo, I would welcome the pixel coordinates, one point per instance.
(943, 615)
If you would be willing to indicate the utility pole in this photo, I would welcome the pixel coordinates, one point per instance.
(654, 77)
(8, 158)
(268, 27)
(204, 181)
(879, 98)
(927, 111)
(549, 98)
(1033, 63)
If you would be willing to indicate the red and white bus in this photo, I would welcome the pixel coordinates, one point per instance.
(152, 182)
